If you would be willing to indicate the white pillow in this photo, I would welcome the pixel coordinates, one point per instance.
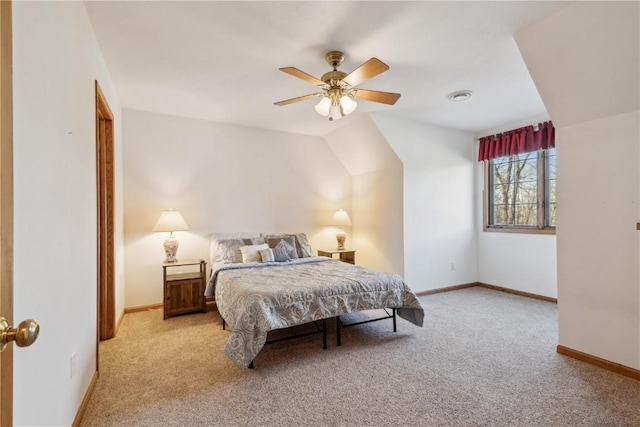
(266, 255)
(251, 253)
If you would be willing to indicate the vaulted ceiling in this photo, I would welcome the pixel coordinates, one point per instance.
(219, 61)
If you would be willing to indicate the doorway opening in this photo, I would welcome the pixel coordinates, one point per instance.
(105, 191)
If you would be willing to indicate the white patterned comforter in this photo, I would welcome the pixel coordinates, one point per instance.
(255, 298)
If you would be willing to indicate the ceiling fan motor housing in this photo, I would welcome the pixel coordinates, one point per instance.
(333, 78)
(334, 58)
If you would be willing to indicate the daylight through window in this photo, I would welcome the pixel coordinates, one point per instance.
(520, 180)
(522, 191)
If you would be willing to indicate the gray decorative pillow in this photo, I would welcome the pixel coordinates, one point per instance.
(302, 245)
(266, 255)
(227, 251)
(254, 241)
(216, 237)
(290, 240)
(282, 251)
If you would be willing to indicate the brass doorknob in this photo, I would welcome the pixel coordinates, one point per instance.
(25, 335)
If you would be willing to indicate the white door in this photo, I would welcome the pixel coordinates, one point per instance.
(27, 331)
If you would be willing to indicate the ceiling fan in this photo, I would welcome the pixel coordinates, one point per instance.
(339, 88)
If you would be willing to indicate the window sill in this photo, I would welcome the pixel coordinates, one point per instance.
(520, 230)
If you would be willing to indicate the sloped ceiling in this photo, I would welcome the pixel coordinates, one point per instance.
(219, 60)
(579, 75)
(361, 147)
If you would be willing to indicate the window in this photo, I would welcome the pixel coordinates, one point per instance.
(520, 179)
(520, 192)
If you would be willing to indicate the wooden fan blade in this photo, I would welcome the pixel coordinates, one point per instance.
(299, 98)
(366, 71)
(302, 75)
(376, 96)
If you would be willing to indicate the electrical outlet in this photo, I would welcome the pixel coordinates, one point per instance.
(72, 365)
(453, 266)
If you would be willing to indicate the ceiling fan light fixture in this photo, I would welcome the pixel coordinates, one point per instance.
(336, 113)
(324, 106)
(348, 104)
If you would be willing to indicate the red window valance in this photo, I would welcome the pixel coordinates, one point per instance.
(523, 140)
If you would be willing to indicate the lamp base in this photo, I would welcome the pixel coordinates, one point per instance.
(341, 236)
(170, 249)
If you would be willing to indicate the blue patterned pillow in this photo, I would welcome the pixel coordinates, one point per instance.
(227, 251)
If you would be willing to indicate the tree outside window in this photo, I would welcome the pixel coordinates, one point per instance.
(520, 192)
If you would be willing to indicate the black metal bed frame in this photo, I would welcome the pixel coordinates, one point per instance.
(339, 326)
(303, 334)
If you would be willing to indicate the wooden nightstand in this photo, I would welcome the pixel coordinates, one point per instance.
(344, 255)
(184, 291)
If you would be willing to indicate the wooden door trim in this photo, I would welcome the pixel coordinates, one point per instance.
(6, 207)
(102, 106)
(106, 316)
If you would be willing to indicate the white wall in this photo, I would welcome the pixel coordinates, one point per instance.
(378, 232)
(585, 62)
(523, 262)
(376, 196)
(222, 178)
(56, 63)
(439, 208)
(598, 245)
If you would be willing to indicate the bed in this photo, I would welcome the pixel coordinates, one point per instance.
(256, 293)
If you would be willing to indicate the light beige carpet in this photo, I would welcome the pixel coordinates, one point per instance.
(483, 358)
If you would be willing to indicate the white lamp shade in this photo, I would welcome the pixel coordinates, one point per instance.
(324, 106)
(341, 219)
(348, 105)
(171, 221)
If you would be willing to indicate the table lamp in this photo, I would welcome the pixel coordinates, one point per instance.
(171, 221)
(341, 219)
